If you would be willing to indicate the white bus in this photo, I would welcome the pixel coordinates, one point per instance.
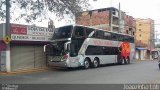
(76, 46)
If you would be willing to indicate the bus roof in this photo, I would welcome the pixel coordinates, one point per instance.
(96, 29)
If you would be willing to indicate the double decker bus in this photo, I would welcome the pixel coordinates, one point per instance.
(81, 46)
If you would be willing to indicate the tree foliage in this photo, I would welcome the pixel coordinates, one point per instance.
(33, 9)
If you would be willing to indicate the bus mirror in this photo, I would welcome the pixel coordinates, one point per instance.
(44, 48)
(67, 46)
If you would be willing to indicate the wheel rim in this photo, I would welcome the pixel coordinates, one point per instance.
(122, 61)
(127, 61)
(86, 64)
(95, 62)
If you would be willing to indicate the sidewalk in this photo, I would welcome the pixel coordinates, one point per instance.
(145, 60)
(24, 71)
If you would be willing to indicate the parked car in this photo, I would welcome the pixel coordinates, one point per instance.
(156, 56)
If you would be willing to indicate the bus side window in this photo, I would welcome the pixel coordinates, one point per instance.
(89, 32)
(107, 35)
(99, 34)
(114, 37)
(79, 32)
(120, 37)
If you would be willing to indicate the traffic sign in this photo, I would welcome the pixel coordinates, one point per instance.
(7, 39)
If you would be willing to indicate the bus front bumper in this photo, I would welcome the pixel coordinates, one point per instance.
(58, 64)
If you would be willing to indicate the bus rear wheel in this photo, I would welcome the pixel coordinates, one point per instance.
(95, 63)
(86, 64)
(128, 60)
(121, 60)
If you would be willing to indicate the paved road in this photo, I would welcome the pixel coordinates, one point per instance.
(138, 72)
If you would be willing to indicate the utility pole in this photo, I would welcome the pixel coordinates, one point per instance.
(7, 27)
(119, 18)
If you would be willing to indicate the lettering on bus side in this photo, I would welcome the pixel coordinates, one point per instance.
(104, 43)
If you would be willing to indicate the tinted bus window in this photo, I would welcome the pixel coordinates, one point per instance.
(94, 50)
(120, 37)
(132, 39)
(79, 31)
(101, 50)
(88, 32)
(62, 32)
(107, 36)
(99, 34)
(115, 37)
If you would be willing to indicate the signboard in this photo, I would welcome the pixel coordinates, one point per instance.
(18, 29)
(30, 33)
(7, 39)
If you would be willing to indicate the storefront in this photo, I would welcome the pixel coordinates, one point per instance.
(26, 48)
(141, 53)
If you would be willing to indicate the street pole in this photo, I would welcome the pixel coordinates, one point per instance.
(119, 18)
(7, 27)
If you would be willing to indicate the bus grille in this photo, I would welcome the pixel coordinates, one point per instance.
(56, 59)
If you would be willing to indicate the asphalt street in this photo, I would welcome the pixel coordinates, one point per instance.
(139, 72)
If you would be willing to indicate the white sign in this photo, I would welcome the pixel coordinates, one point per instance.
(33, 33)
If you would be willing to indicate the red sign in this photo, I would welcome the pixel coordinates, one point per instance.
(18, 29)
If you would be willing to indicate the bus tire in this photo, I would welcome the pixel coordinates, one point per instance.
(86, 64)
(119, 60)
(95, 63)
(128, 60)
(123, 61)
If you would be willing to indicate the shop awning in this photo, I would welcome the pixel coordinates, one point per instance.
(140, 48)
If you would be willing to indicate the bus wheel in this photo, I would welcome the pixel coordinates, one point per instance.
(86, 64)
(95, 63)
(119, 60)
(125, 61)
(128, 60)
(122, 61)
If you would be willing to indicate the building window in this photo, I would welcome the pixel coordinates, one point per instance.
(140, 24)
(139, 35)
(139, 29)
(127, 31)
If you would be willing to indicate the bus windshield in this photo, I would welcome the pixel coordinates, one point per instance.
(62, 32)
(56, 49)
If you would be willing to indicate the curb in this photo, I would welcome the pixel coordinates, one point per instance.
(25, 71)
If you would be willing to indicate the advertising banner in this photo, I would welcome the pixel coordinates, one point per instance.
(30, 33)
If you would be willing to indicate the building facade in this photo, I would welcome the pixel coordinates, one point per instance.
(129, 25)
(110, 19)
(26, 47)
(144, 38)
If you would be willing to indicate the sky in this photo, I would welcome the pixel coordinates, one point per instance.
(136, 8)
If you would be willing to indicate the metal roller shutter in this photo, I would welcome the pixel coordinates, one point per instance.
(22, 57)
(27, 57)
(40, 59)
